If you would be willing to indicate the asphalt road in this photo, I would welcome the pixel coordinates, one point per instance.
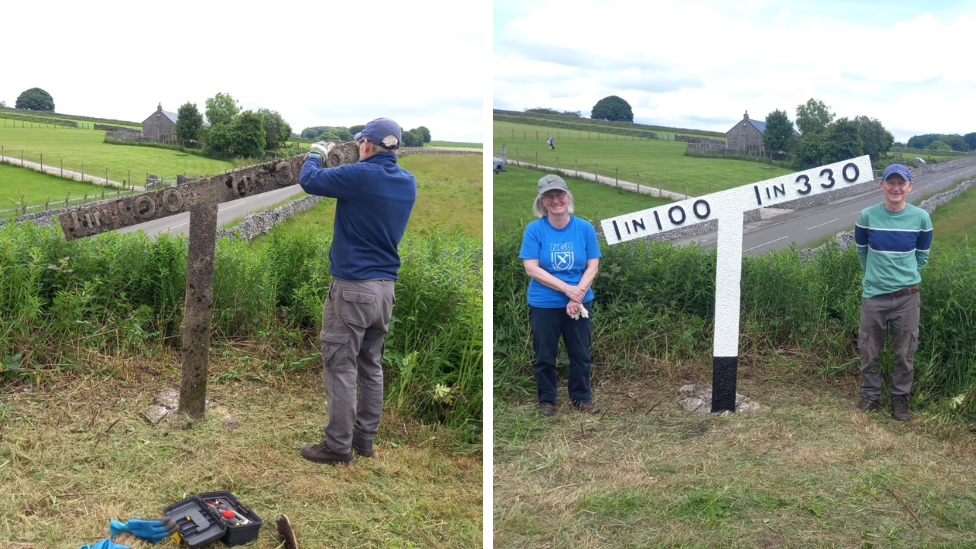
(226, 212)
(808, 225)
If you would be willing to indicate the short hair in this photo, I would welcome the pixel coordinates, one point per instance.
(540, 210)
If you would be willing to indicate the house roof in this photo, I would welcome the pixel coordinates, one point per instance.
(172, 116)
(758, 124)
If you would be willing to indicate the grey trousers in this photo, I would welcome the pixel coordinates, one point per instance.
(877, 314)
(355, 319)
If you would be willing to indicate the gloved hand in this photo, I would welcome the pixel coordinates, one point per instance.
(105, 544)
(151, 530)
(321, 150)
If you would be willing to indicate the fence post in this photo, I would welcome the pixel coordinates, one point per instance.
(537, 160)
(517, 158)
(47, 204)
(82, 172)
(66, 199)
(638, 183)
(21, 158)
(129, 179)
(596, 177)
(660, 189)
(106, 176)
(576, 166)
(537, 135)
(42, 163)
(62, 168)
(616, 179)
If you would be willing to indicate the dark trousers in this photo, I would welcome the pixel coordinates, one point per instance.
(880, 314)
(547, 327)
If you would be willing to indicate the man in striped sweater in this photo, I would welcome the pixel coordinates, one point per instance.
(893, 241)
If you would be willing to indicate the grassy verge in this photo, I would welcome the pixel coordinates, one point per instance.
(953, 223)
(807, 472)
(656, 163)
(76, 452)
(455, 144)
(514, 192)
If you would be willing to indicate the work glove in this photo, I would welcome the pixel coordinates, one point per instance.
(105, 544)
(321, 150)
(150, 530)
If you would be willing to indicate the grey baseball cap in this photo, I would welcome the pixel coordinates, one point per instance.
(552, 183)
(381, 131)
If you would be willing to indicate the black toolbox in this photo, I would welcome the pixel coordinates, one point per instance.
(199, 520)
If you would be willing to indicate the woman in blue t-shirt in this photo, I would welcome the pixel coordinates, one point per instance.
(562, 256)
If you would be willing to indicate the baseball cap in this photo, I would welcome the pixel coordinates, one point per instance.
(552, 183)
(381, 131)
(898, 169)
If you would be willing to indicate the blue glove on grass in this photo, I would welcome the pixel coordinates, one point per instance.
(105, 544)
(150, 530)
(321, 150)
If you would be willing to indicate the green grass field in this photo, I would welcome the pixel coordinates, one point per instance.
(449, 194)
(653, 162)
(953, 224)
(83, 121)
(77, 147)
(514, 192)
(37, 188)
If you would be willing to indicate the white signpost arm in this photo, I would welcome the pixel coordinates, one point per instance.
(728, 208)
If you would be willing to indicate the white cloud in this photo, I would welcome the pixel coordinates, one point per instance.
(709, 61)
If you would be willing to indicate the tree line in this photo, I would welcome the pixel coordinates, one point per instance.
(416, 137)
(944, 142)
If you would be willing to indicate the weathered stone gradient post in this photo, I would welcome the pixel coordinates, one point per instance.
(202, 199)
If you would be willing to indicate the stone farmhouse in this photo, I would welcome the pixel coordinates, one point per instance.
(746, 136)
(162, 123)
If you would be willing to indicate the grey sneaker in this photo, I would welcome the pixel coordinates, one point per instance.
(899, 407)
(868, 405)
(321, 453)
(362, 446)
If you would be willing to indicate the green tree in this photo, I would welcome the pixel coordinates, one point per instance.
(612, 108)
(356, 129)
(247, 135)
(843, 141)
(188, 121)
(35, 99)
(970, 139)
(276, 130)
(221, 109)
(778, 136)
(425, 133)
(218, 139)
(939, 145)
(922, 141)
(813, 117)
(956, 142)
(876, 139)
(412, 138)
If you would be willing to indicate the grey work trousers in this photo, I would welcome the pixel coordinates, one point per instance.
(355, 319)
(877, 314)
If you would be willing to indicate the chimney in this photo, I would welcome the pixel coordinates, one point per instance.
(746, 115)
(160, 108)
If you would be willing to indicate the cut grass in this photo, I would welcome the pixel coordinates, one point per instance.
(76, 452)
(658, 163)
(809, 471)
(514, 192)
(953, 223)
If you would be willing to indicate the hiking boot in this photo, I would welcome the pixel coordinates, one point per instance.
(899, 407)
(547, 409)
(362, 446)
(321, 453)
(868, 405)
(587, 408)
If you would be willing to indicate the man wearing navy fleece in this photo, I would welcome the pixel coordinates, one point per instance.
(374, 199)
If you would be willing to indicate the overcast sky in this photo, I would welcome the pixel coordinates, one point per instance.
(316, 63)
(702, 63)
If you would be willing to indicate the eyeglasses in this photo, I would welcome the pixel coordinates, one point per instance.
(554, 196)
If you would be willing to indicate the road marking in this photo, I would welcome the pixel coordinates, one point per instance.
(822, 224)
(767, 243)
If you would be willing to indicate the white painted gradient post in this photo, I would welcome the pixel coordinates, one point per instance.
(728, 208)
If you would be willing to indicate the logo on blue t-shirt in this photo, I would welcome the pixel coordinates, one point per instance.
(562, 256)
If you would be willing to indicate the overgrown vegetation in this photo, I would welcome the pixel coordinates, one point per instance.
(656, 302)
(123, 294)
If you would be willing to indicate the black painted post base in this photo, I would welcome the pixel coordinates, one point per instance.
(724, 372)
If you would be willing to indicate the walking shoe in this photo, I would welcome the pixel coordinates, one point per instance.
(321, 453)
(362, 446)
(868, 405)
(587, 408)
(547, 409)
(899, 407)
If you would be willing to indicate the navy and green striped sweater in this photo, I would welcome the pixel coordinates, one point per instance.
(892, 247)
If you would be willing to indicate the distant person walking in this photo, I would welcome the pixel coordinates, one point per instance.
(561, 255)
(551, 143)
(893, 241)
